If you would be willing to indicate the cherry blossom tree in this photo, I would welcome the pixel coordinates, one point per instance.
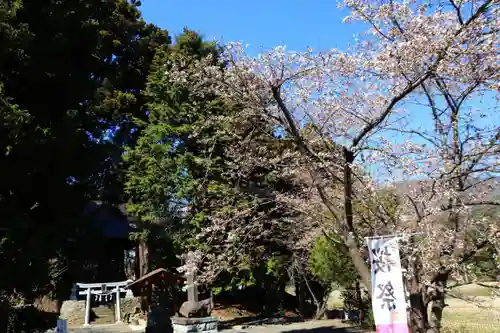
(415, 100)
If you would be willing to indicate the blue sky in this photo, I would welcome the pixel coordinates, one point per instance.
(263, 24)
(260, 23)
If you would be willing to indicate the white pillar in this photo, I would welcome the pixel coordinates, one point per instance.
(87, 308)
(118, 310)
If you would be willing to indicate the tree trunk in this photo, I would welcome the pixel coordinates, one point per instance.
(144, 265)
(301, 297)
(137, 261)
(349, 238)
(321, 310)
(348, 235)
(311, 292)
(438, 305)
(281, 294)
(321, 294)
(436, 315)
(420, 298)
(359, 300)
(418, 317)
(418, 320)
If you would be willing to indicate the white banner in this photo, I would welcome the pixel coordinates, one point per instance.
(388, 295)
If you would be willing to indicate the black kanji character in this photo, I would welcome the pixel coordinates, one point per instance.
(382, 259)
(387, 296)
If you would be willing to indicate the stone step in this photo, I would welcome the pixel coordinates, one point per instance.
(103, 311)
(104, 315)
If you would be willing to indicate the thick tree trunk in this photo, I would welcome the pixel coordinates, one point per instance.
(418, 320)
(420, 298)
(137, 262)
(436, 315)
(438, 304)
(144, 265)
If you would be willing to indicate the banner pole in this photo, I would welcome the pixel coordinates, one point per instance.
(402, 235)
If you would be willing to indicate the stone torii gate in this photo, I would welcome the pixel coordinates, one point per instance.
(100, 290)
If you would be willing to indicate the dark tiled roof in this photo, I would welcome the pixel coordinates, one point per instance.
(154, 273)
(110, 218)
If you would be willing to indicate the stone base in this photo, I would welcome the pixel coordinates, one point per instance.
(73, 312)
(131, 310)
(195, 325)
(130, 304)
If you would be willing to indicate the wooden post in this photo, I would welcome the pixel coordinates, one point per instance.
(87, 308)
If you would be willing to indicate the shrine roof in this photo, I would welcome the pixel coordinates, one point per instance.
(111, 219)
(152, 274)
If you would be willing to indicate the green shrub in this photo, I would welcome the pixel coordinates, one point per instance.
(329, 262)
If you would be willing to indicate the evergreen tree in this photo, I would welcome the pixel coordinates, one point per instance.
(71, 75)
(180, 173)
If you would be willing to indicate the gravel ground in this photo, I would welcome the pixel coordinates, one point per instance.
(318, 326)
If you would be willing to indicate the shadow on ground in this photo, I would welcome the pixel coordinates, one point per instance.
(256, 321)
(323, 326)
(226, 324)
(325, 329)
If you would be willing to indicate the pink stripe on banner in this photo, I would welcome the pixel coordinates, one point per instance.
(393, 328)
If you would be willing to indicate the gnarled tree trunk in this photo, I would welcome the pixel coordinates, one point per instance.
(418, 319)
(437, 295)
(421, 296)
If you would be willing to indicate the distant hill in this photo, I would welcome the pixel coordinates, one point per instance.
(491, 186)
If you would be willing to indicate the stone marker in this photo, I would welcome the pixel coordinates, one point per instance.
(196, 313)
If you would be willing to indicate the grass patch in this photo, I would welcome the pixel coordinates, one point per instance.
(459, 316)
(468, 329)
(472, 290)
(464, 326)
(463, 317)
